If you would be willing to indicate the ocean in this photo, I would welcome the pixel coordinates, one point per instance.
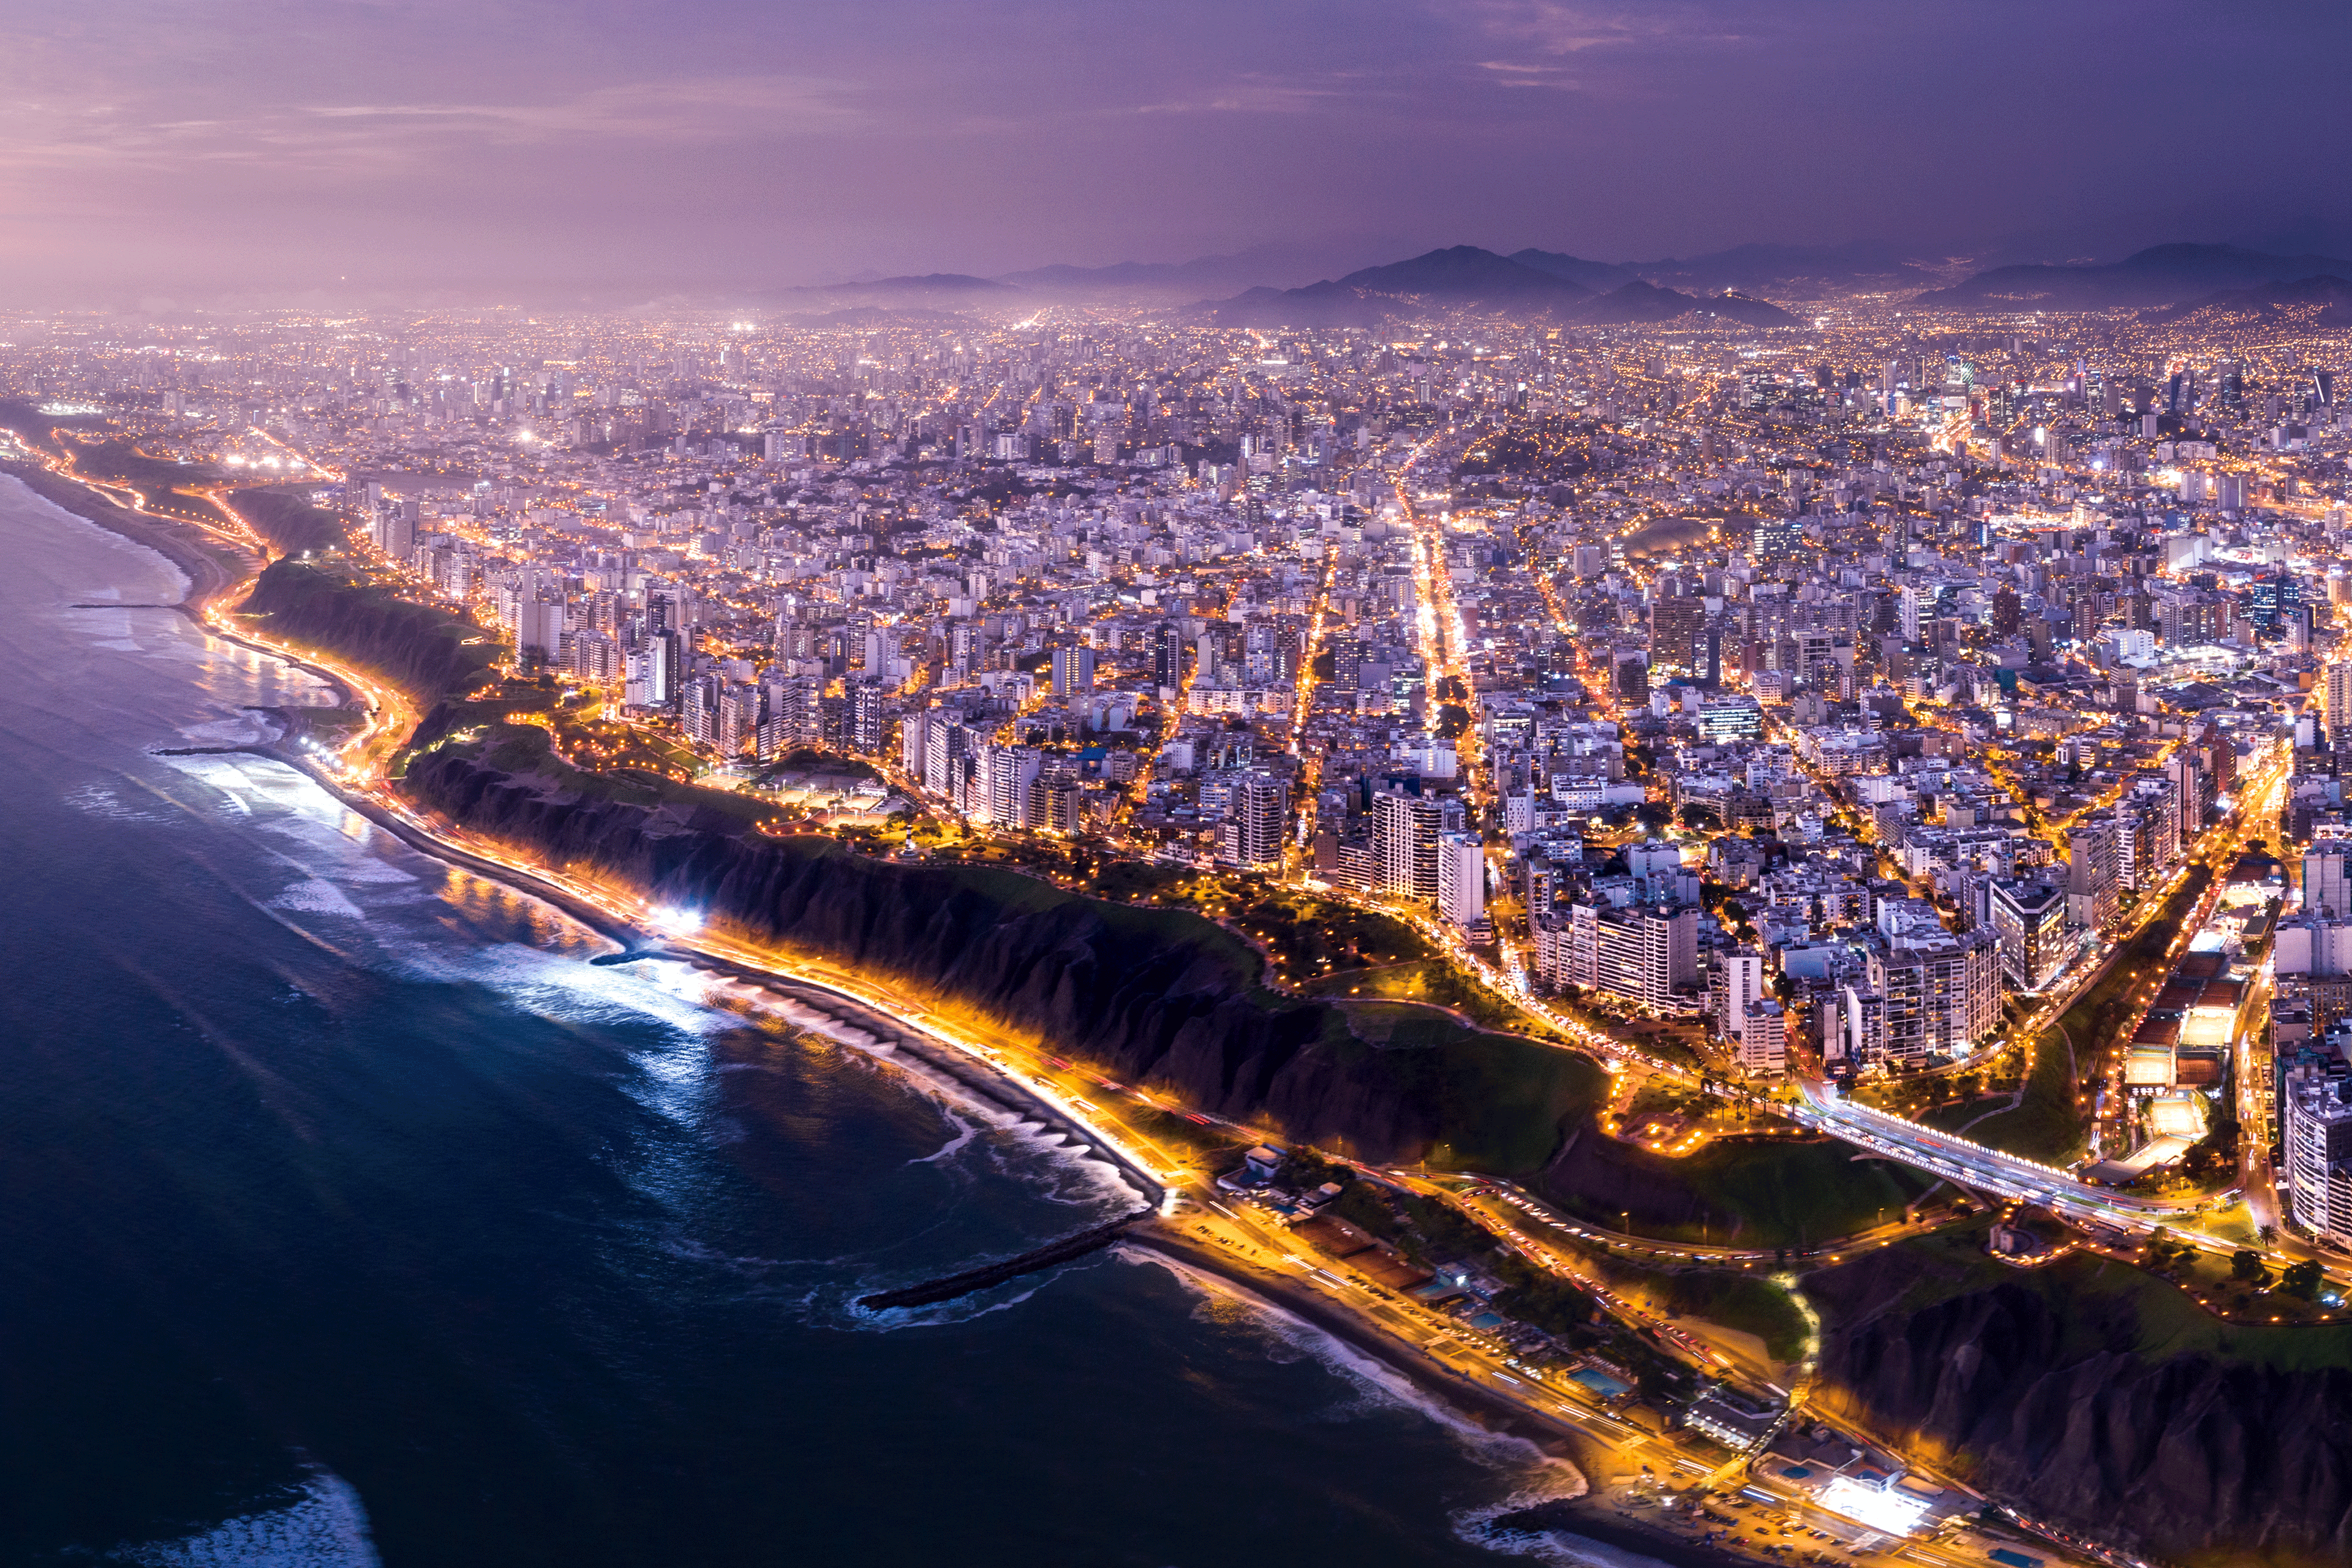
(348, 1215)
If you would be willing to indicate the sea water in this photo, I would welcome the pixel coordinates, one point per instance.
(348, 1215)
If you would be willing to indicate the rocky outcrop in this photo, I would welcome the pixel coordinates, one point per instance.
(2048, 1393)
(1152, 996)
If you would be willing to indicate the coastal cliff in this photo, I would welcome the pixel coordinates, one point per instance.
(1152, 996)
(421, 649)
(2089, 1395)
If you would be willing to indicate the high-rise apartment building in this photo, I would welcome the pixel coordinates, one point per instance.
(1942, 992)
(1252, 834)
(1006, 772)
(1763, 1039)
(1646, 955)
(867, 714)
(1167, 655)
(1462, 878)
(2035, 937)
(1676, 625)
(1405, 830)
(1074, 672)
(1739, 983)
(2327, 877)
(2093, 891)
(2315, 1157)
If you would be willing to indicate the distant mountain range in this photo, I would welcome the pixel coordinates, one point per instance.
(1464, 276)
(2160, 276)
(2270, 301)
(1638, 301)
(1796, 271)
(1787, 270)
(1736, 285)
(1272, 265)
(928, 283)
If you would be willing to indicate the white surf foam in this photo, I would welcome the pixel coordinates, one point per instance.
(1384, 1384)
(566, 988)
(1560, 1546)
(1069, 1172)
(325, 1527)
(100, 800)
(317, 896)
(966, 1130)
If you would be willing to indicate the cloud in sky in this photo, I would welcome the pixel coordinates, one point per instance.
(194, 144)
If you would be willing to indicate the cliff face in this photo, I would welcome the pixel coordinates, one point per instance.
(419, 647)
(1149, 995)
(2050, 1400)
(290, 523)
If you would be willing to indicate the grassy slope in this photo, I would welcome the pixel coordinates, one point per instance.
(1507, 1101)
(1953, 1262)
(1757, 1193)
(157, 481)
(1744, 1303)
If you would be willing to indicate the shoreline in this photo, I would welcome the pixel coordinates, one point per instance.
(1587, 1512)
(191, 551)
(194, 552)
(1491, 1412)
(971, 1070)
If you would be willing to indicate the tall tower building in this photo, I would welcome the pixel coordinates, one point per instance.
(866, 701)
(1675, 624)
(2093, 889)
(2031, 917)
(2316, 1159)
(1010, 771)
(1167, 655)
(2327, 877)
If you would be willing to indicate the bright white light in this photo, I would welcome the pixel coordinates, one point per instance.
(677, 921)
(1892, 1511)
(235, 461)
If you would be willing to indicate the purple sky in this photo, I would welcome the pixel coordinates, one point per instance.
(180, 147)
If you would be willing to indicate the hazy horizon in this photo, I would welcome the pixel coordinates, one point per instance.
(599, 152)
